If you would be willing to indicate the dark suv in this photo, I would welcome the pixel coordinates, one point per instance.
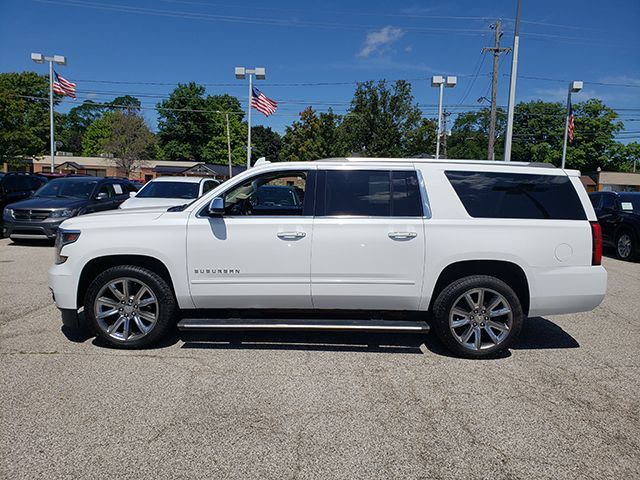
(39, 216)
(18, 186)
(619, 217)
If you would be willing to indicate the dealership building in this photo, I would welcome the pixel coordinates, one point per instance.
(147, 169)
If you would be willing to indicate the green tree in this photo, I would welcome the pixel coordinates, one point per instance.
(97, 134)
(538, 132)
(192, 126)
(72, 126)
(265, 143)
(382, 119)
(130, 140)
(421, 141)
(126, 102)
(313, 137)
(470, 135)
(24, 116)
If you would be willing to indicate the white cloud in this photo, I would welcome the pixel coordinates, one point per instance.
(380, 40)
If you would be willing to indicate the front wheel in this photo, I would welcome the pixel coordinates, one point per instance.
(477, 316)
(130, 306)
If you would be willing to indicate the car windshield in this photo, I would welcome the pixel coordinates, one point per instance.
(187, 190)
(67, 188)
(630, 203)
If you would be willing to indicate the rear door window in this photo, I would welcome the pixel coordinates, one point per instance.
(513, 195)
(371, 193)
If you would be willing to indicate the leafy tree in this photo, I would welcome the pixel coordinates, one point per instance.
(24, 116)
(193, 127)
(538, 131)
(265, 143)
(381, 119)
(97, 134)
(130, 140)
(312, 137)
(470, 135)
(594, 136)
(73, 125)
(422, 140)
(126, 102)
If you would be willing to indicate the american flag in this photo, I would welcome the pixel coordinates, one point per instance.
(570, 122)
(63, 86)
(262, 103)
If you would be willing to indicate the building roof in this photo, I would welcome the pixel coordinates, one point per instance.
(587, 181)
(619, 178)
(176, 178)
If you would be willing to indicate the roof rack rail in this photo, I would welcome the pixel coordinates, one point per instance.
(441, 160)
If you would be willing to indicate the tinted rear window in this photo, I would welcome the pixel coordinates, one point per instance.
(512, 195)
(372, 193)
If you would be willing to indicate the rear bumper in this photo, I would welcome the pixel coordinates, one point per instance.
(562, 290)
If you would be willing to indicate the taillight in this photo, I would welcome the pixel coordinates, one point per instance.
(596, 251)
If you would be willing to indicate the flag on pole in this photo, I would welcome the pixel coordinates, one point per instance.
(570, 121)
(262, 103)
(62, 86)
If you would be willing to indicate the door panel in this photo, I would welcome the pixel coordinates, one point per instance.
(250, 262)
(367, 263)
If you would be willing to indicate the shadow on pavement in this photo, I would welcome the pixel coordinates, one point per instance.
(540, 333)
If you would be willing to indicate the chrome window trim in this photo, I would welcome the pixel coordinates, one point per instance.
(425, 196)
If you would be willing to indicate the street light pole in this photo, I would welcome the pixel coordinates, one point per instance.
(229, 146)
(440, 81)
(241, 73)
(512, 88)
(60, 60)
(574, 87)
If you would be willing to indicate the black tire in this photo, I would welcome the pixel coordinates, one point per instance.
(452, 294)
(630, 253)
(163, 308)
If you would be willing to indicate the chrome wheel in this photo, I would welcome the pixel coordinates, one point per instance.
(126, 309)
(480, 319)
(624, 245)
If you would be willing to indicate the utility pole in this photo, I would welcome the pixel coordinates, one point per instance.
(445, 114)
(229, 146)
(494, 87)
(512, 88)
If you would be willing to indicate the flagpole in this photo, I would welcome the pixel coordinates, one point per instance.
(249, 121)
(566, 129)
(53, 144)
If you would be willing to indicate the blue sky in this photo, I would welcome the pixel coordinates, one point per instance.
(313, 51)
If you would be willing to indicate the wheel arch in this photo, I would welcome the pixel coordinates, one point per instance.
(509, 272)
(97, 265)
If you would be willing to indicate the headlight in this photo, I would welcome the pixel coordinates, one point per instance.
(66, 213)
(7, 213)
(64, 237)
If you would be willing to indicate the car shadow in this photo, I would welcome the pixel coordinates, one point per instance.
(538, 334)
(31, 243)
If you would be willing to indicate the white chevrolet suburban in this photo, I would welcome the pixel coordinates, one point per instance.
(469, 248)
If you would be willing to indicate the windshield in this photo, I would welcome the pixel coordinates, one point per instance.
(630, 202)
(186, 190)
(67, 189)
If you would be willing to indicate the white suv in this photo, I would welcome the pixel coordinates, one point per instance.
(169, 191)
(469, 248)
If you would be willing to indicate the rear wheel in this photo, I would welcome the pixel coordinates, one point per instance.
(626, 245)
(477, 316)
(130, 306)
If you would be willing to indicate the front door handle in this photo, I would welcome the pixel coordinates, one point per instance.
(402, 235)
(290, 235)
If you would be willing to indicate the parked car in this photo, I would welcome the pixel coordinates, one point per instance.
(40, 216)
(619, 217)
(467, 248)
(16, 186)
(170, 191)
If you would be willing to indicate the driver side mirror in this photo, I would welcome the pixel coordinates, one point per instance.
(216, 206)
(102, 196)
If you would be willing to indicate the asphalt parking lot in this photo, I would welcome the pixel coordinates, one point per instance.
(563, 404)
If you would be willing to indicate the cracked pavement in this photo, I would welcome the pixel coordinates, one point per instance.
(564, 403)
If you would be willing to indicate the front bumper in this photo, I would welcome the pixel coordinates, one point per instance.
(31, 229)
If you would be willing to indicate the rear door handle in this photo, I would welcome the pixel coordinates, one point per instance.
(402, 235)
(289, 235)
